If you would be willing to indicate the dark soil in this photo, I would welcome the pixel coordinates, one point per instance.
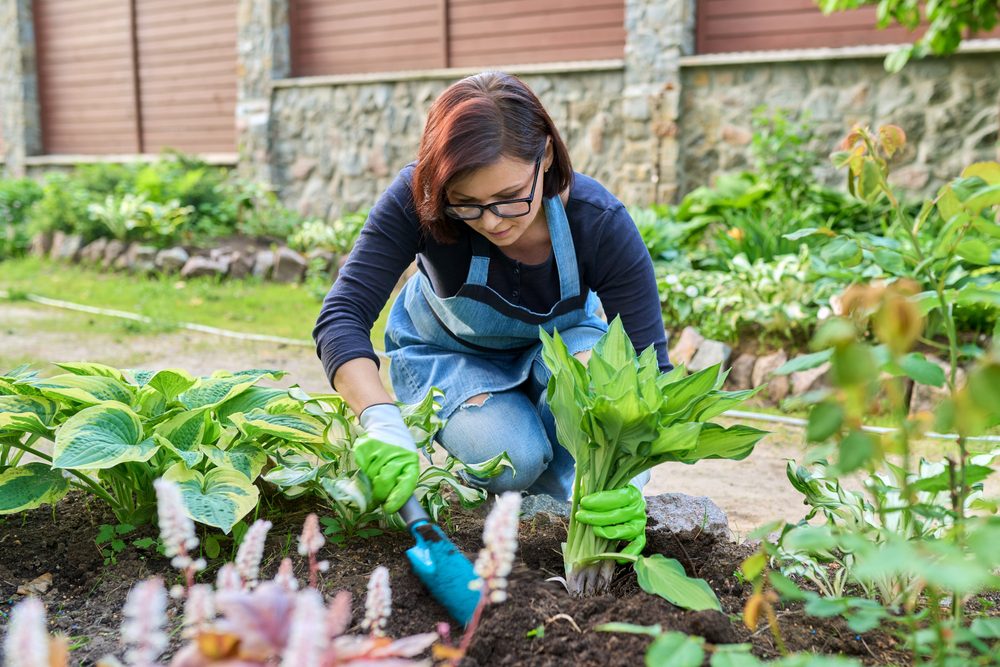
(86, 596)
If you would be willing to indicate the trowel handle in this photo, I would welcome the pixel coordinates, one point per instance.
(412, 512)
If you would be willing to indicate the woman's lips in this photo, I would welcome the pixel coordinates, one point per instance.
(500, 235)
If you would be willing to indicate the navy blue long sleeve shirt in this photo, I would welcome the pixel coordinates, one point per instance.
(611, 257)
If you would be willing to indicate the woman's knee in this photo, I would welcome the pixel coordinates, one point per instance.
(495, 423)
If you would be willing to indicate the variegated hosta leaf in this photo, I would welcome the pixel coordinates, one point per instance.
(150, 403)
(293, 427)
(91, 368)
(27, 414)
(169, 382)
(434, 477)
(246, 458)
(353, 491)
(252, 398)
(184, 433)
(15, 381)
(140, 376)
(252, 372)
(210, 392)
(86, 389)
(490, 468)
(217, 498)
(101, 436)
(422, 418)
(28, 486)
(293, 469)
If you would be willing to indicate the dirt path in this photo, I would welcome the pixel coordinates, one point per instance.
(751, 492)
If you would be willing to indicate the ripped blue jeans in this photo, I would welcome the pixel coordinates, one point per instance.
(519, 422)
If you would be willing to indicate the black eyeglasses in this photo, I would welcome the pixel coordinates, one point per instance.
(509, 208)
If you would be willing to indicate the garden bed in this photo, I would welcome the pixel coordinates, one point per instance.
(86, 596)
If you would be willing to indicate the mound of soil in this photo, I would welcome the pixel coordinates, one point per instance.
(540, 624)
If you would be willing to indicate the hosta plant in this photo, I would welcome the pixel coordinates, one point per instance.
(618, 416)
(112, 432)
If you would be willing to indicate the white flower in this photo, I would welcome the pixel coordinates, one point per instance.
(199, 609)
(500, 543)
(311, 540)
(691, 291)
(142, 630)
(670, 279)
(251, 552)
(27, 641)
(823, 313)
(228, 579)
(378, 604)
(176, 528)
(286, 576)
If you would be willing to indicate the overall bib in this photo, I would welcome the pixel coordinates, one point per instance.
(465, 347)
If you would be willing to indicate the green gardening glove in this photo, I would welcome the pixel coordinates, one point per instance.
(387, 455)
(619, 514)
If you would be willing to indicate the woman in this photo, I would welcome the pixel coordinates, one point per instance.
(506, 238)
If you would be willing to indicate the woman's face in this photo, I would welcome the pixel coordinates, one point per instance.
(503, 180)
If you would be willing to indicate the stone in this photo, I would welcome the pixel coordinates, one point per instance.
(687, 346)
(171, 260)
(709, 353)
(302, 168)
(41, 244)
(688, 517)
(263, 264)
(809, 379)
(542, 503)
(289, 266)
(240, 265)
(93, 252)
(66, 247)
(777, 385)
(912, 177)
(112, 252)
(202, 266)
(141, 258)
(926, 398)
(739, 375)
(735, 136)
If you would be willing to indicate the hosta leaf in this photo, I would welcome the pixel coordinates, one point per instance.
(252, 398)
(185, 433)
(101, 436)
(354, 491)
(674, 440)
(491, 467)
(90, 368)
(210, 392)
(245, 458)
(804, 362)
(87, 389)
(171, 382)
(680, 394)
(28, 486)
(140, 376)
(294, 427)
(665, 577)
(714, 403)
(27, 414)
(716, 442)
(292, 474)
(676, 649)
(217, 498)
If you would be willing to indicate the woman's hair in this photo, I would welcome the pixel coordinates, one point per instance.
(471, 125)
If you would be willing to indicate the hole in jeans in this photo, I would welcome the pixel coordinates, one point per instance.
(476, 401)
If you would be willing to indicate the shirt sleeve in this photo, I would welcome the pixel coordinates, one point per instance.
(626, 283)
(388, 243)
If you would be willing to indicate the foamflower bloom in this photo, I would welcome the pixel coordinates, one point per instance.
(500, 539)
(142, 630)
(27, 642)
(251, 552)
(378, 604)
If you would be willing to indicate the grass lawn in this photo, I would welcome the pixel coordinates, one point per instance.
(249, 306)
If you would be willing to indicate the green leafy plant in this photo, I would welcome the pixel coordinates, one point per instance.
(618, 416)
(337, 236)
(16, 197)
(133, 218)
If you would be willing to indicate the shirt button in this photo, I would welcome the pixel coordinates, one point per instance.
(515, 293)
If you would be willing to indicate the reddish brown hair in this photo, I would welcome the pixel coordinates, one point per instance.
(471, 125)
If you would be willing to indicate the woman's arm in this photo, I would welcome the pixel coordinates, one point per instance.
(360, 384)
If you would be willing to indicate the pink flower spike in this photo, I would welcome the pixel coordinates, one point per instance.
(176, 528)
(228, 579)
(378, 604)
(500, 539)
(251, 552)
(338, 616)
(305, 645)
(27, 641)
(311, 540)
(286, 576)
(142, 630)
(199, 609)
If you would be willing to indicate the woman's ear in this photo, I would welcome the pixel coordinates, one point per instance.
(549, 155)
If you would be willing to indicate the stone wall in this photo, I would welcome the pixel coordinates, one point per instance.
(948, 107)
(335, 148)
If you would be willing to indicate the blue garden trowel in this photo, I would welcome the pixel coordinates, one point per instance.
(445, 570)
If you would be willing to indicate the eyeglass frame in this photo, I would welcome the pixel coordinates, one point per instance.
(483, 207)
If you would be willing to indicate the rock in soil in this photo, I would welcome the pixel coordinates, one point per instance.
(534, 504)
(687, 516)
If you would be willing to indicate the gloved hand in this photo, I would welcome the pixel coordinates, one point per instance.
(387, 454)
(619, 514)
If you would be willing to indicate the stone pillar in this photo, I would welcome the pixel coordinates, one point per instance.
(22, 134)
(263, 55)
(658, 33)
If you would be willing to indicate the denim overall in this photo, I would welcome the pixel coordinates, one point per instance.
(465, 347)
